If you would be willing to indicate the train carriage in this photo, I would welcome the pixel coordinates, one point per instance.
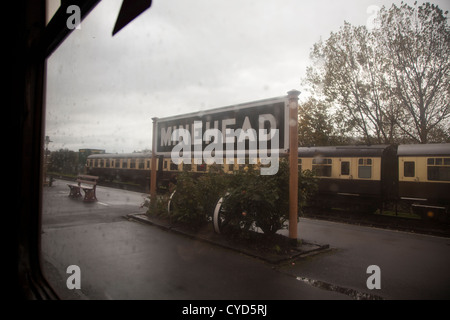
(424, 178)
(133, 168)
(360, 177)
(363, 178)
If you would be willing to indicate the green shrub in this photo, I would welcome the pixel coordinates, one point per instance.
(251, 200)
(262, 201)
(185, 202)
(307, 188)
(195, 198)
(210, 188)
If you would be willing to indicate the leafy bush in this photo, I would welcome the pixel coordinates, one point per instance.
(185, 204)
(262, 201)
(307, 188)
(195, 198)
(251, 200)
(211, 187)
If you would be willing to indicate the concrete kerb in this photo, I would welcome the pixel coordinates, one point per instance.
(209, 236)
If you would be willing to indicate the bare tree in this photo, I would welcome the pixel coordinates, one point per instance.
(416, 42)
(348, 71)
(390, 83)
(315, 126)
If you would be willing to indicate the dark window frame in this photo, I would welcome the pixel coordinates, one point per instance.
(409, 169)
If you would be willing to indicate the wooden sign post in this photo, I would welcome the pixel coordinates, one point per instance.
(293, 163)
(154, 167)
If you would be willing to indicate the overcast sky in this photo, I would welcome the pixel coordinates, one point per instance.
(182, 56)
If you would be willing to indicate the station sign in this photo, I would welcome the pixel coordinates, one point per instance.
(253, 128)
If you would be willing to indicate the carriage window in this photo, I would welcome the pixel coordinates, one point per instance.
(201, 167)
(345, 168)
(187, 167)
(409, 169)
(322, 167)
(125, 163)
(132, 163)
(365, 168)
(117, 163)
(438, 169)
(107, 163)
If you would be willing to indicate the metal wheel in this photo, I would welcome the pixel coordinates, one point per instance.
(219, 217)
(169, 204)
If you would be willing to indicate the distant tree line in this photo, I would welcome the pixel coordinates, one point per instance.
(64, 162)
(387, 84)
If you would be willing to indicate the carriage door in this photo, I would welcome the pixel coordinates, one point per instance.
(345, 168)
(407, 169)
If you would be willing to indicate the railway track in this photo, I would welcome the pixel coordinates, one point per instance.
(377, 220)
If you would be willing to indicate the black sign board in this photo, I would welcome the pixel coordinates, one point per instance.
(257, 122)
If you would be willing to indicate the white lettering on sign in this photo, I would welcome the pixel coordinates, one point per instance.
(213, 153)
(251, 133)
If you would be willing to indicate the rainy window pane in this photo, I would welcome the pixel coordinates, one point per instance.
(178, 57)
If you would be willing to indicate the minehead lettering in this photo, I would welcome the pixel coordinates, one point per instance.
(250, 133)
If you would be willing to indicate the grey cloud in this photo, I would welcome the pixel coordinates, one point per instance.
(178, 57)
